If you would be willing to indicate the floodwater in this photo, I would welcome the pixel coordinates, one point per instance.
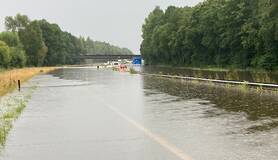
(233, 75)
(101, 114)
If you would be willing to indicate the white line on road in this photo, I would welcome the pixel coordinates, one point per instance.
(163, 142)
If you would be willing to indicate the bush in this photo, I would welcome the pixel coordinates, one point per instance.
(5, 56)
(18, 57)
(268, 62)
(10, 38)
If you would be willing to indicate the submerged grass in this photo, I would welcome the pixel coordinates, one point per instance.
(132, 71)
(11, 105)
(11, 108)
(8, 78)
(219, 69)
(244, 86)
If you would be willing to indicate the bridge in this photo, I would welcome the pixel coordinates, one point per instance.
(99, 58)
(107, 57)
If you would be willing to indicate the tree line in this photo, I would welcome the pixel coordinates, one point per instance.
(96, 47)
(214, 33)
(40, 43)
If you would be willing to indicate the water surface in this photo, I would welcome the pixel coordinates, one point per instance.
(232, 75)
(68, 118)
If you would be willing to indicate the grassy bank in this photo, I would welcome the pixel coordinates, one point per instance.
(11, 107)
(258, 76)
(218, 69)
(12, 104)
(8, 78)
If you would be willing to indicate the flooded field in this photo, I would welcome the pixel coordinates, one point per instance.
(100, 114)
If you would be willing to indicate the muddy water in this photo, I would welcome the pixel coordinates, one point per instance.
(99, 114)
(234, 75)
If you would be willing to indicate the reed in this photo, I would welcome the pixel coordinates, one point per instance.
(132, 71)
(244, 86)
(9, 78)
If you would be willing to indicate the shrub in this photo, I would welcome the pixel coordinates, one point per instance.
(5, 56)
(18, 57)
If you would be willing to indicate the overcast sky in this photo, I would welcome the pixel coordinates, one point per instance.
(115, 21)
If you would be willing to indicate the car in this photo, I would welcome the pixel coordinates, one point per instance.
(115, 64)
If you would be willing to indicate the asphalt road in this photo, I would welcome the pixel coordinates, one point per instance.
(99, 115)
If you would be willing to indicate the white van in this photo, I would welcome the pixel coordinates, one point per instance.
(115, 64)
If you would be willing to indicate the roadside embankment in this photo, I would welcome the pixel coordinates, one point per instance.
(9, 78)
(242, 85)
(253, 76)
(244, 79)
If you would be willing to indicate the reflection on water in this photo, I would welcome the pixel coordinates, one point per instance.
(250, 76)
(213, 122)
(209, 122)
(261, 110)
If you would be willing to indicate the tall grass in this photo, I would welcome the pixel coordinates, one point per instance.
(7, 119)
(9, 78)
(132, 71)
(11, 106)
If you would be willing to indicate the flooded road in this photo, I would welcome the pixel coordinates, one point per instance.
(231, 75)
(101, 114)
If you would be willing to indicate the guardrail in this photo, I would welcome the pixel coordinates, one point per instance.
(265, 85)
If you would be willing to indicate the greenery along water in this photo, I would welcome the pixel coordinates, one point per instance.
(233, 75)
(11, 106)
(234, 33)
(38, 42)
(261, 110)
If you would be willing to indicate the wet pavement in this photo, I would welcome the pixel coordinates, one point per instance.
(101, 114)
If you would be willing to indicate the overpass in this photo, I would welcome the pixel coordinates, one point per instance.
(106, 57)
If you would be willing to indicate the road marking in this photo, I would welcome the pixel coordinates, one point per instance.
(163, 142)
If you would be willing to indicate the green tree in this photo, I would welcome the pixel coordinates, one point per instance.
(16, 23)
(18, 57)
(148, 49)
(5, 56)
(233, 33)
(73, 49)
(39, 42)
(32, 40)
(10, 38)
(54, 40)
(97, 47)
